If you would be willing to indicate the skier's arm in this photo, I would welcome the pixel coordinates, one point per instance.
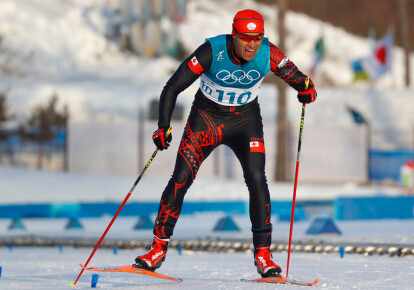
(288, 71)
(189, 71)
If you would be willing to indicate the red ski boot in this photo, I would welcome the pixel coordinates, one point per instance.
(265, 265)
(155, 256)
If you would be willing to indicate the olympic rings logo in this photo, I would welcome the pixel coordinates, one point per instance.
(238, 76)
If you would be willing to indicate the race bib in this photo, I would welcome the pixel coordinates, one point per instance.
(229, 96)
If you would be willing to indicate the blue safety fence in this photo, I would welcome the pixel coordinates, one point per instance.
(343, 208)
(281, 209)
(379, 207)
(387, 164)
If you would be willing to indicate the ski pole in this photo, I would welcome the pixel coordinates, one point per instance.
(302, 120)
(119, 209)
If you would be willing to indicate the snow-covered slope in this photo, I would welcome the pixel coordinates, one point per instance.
(62, 46)
(71, 47)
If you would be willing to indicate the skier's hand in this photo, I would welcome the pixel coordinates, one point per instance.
(162, 138)
(307, 96)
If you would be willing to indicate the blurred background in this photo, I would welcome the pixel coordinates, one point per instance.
(79, 90)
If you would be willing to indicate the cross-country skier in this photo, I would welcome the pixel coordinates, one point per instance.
(225, 111)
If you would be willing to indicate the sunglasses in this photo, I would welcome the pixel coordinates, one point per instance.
(249, 38)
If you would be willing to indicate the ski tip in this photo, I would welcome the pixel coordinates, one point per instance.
(315, 281)
(72, 284)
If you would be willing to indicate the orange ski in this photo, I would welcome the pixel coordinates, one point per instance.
(281, 280)
(130, 269)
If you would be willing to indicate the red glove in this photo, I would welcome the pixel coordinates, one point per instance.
(307, 96)
(161, 138)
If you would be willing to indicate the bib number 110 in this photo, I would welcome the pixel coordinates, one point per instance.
(241, 99)
(226, 97)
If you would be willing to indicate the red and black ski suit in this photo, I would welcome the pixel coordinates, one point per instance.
(210, 125)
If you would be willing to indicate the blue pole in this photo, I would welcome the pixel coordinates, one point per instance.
(342, 252)
(94, 281)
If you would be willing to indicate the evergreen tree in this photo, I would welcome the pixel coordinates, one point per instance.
(4, 133)
(43, 125)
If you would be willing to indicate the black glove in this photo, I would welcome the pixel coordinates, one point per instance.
(161, 139)
(307, 96)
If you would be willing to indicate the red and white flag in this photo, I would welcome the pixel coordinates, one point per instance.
(380, 61)
(195, 66)
(257, 146)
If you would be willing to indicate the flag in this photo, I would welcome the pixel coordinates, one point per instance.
(359, 73)
(379, 62)
(257, 146)
(318, 54)
(356, 116)
(195, 66)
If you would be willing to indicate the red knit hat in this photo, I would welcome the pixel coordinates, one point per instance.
(248, 21)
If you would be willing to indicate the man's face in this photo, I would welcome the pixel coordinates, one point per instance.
(246, 45)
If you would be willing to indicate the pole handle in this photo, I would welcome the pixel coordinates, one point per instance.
(306, 83)
(169, 131)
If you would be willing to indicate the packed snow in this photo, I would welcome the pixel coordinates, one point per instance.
(57, 267)
(48, 268)
(60, 187)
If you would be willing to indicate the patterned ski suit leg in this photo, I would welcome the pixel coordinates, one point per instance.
(201, 135)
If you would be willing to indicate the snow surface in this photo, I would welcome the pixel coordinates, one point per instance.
(47, 268)
(56, 187)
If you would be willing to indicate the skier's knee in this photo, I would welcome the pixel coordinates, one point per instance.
(255, 177)
(182, 178)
